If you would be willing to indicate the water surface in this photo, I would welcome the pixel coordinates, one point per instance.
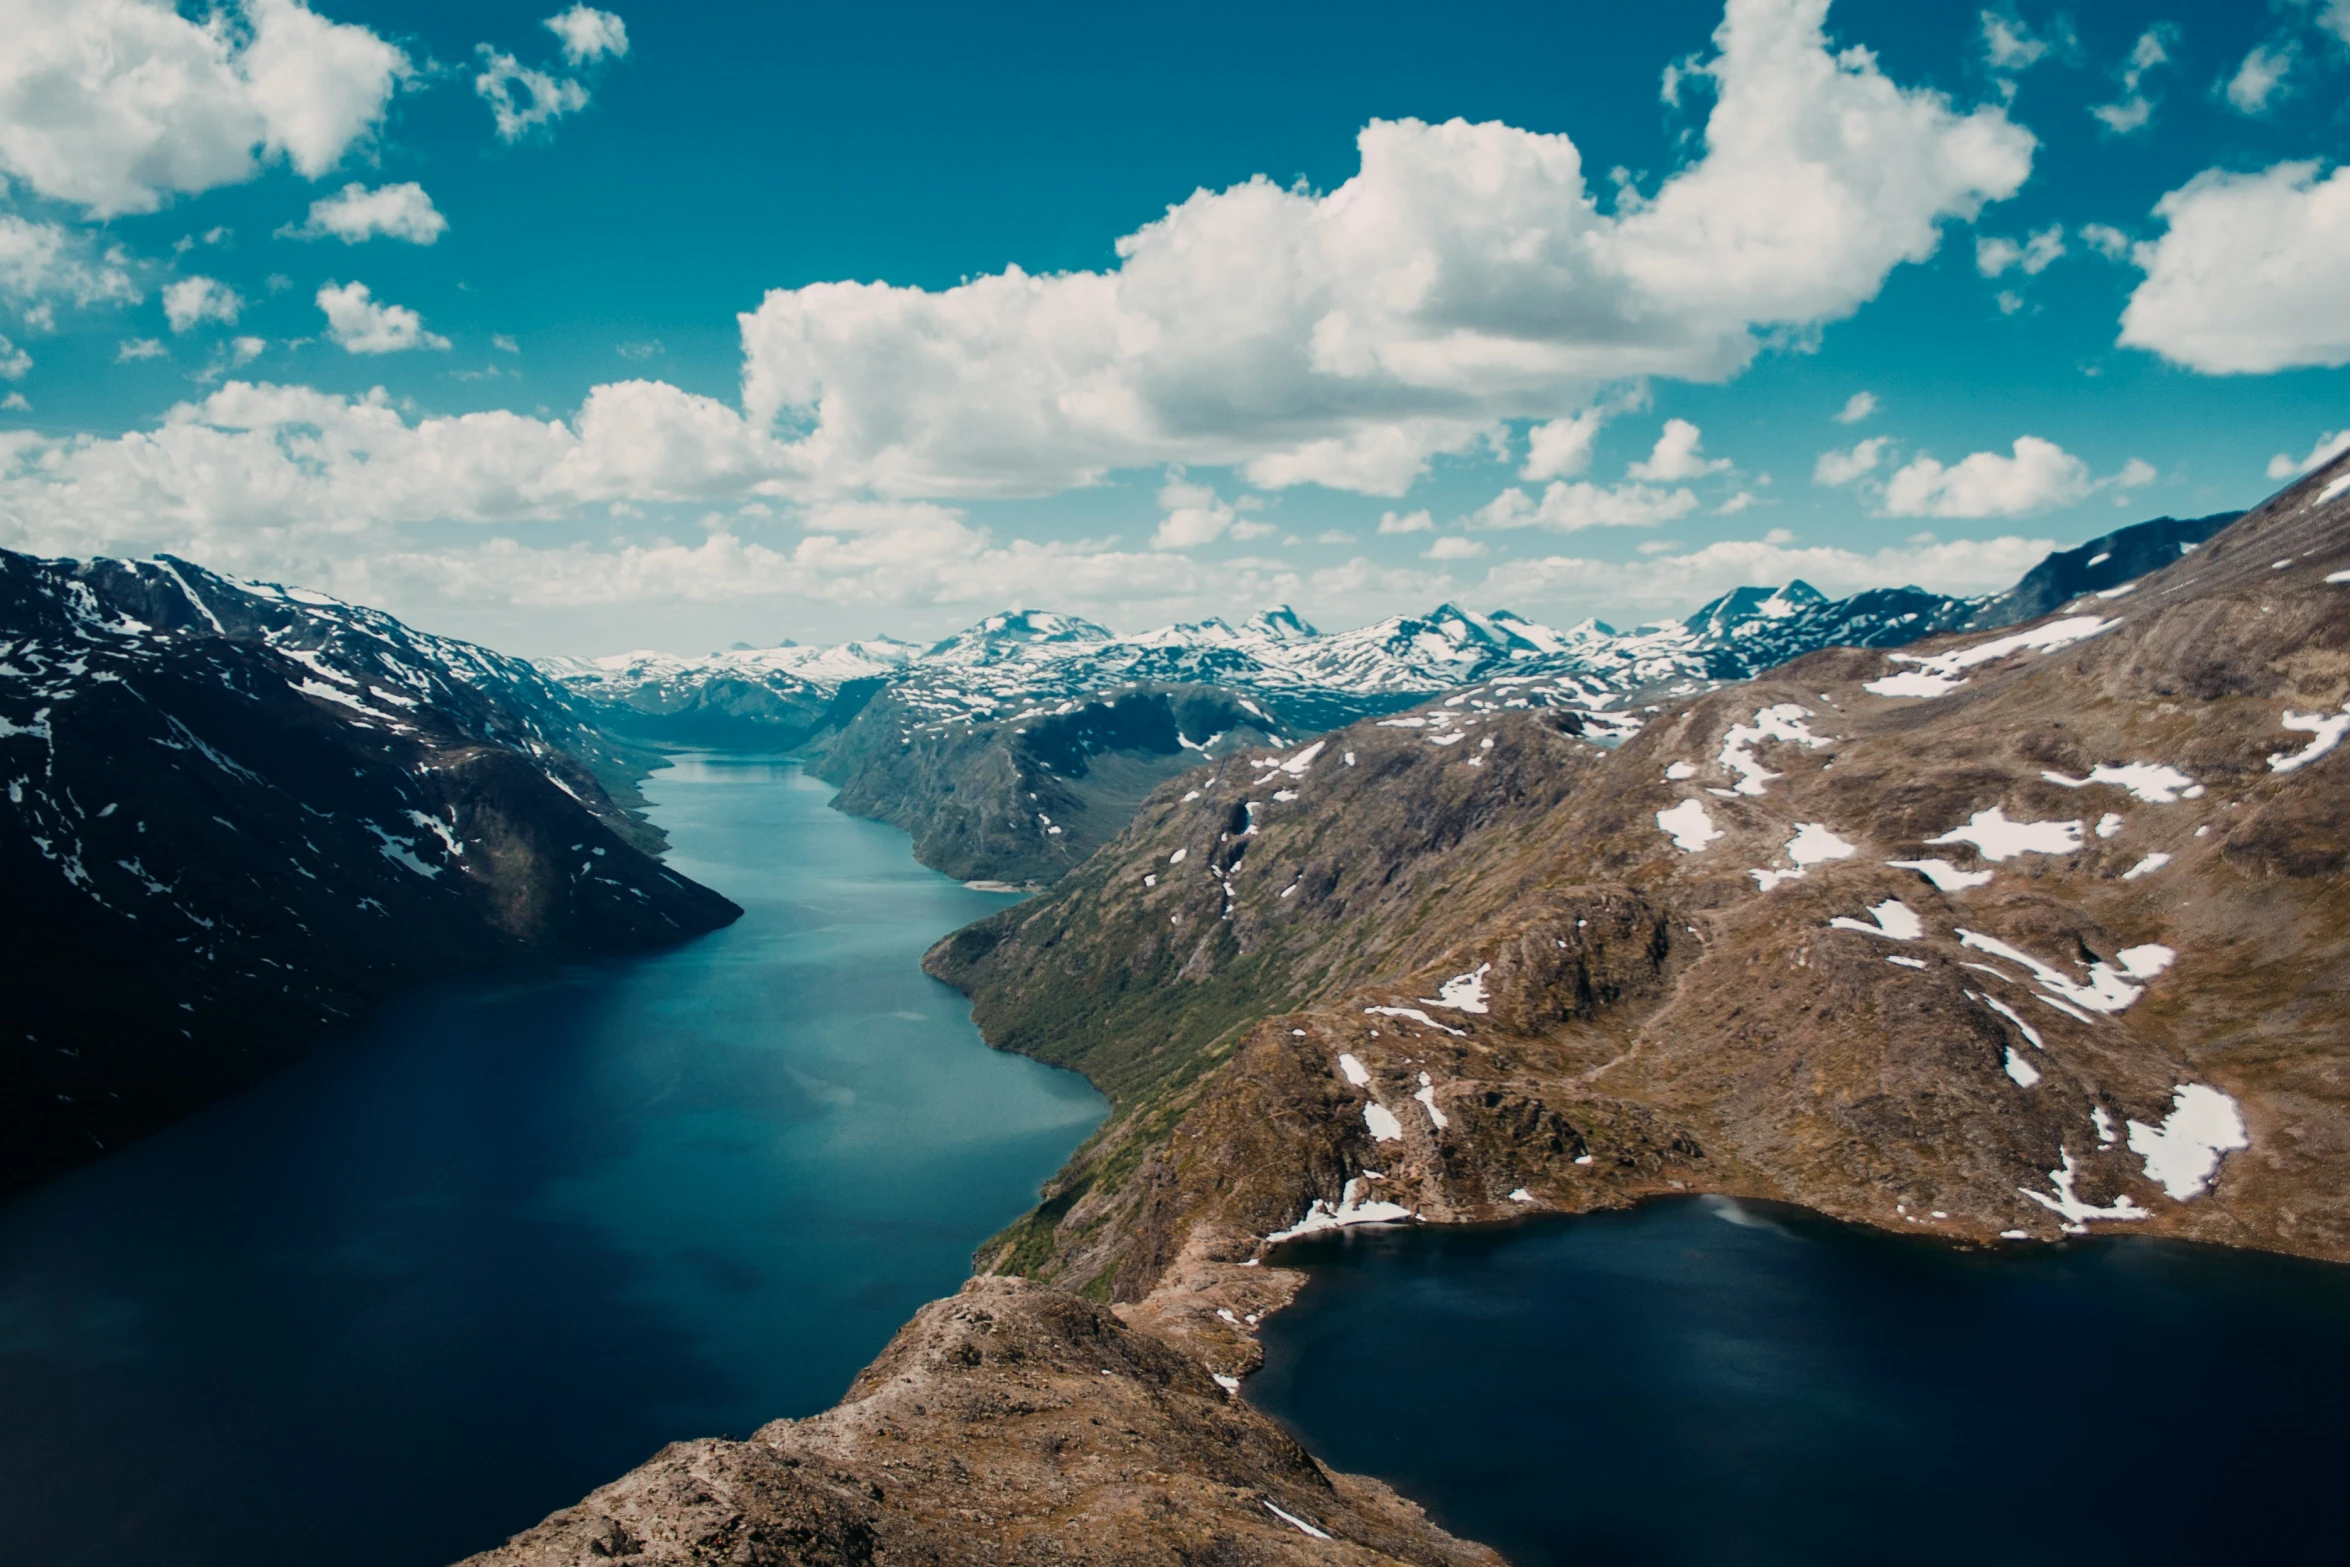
(1708, 1384)
(414, 1293)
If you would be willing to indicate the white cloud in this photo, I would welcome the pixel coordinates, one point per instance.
(2035, 255)
(116, 105)
(2039, 476)
(1836, 468)
(1675, 456)
(2106, 240)
(355, 213)
(1857, 407)
(543, 97)
(1561, 448)
(2252, 275)
(2260, 80)
(360, 325)
(1195, 515)
(133, 349)
(1672, 584)
(2329, 446)
(192, 301)
(1464, 276)
(40, 260)
(1416, 522)
(1453, 547)
(2134, 110)
(15, 363)
(15, 402)
(589, 34)
(2009, 45)
(1570, 508)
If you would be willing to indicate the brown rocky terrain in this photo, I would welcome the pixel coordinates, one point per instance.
(2002, 937)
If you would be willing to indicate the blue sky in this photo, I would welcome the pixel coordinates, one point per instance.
(616, 400)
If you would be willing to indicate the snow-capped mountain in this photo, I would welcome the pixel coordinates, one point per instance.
(231, 813)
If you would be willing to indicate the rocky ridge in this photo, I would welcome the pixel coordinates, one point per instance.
(236, 814)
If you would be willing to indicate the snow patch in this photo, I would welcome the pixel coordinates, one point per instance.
(2146, 867)
(2182, 1155)
(2075, 1211)
(2107, 991)
(1997, 838)
(1942, 673)
(1784, 721)
(1351, 1210)
(2152, 782)
(1943, 874)
(1462, 992)
(1679, 771)
(1690, 826)
(1385, 1128)
(1417, 1016)
(2327, 729)
(1894, 919)
(1427, 1098)
(1356, 1072)
(2025, 1074)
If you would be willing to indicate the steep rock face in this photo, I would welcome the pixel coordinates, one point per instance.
(2111, 995)
(231, 818)
(1006, 1425)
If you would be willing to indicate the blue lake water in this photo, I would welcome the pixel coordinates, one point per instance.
(416, 1292)
(1707, 1384)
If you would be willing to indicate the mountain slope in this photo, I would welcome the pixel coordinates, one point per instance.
(234, 815)
(1507, 968)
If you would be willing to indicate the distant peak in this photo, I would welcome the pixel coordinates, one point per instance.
(1282, 623)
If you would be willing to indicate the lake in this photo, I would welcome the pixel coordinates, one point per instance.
(419, 1290)
(1704, 1383)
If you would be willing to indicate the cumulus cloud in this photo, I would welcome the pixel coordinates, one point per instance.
(1453, 547)
(589, 34)
(116, 105)
(1675, 456)
(192, 301)
(355, 213)
(1415, 522)
(520, 98)
(1195, 515)
(255, 463)
(2252, 275)
(1465, 275)
(39, 261)
(2106, 240)
(1561, 448)
(1995, 256)
(1857, 407)
(359, 324)
(1570, 508)
(2260, 80)
(133, 349)
(2009, 45)
(1835, 468)
(2038, 476)
(2133, 111)
(2329, 446)
(15, 363)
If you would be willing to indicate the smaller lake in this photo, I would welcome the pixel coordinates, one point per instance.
(412, 1294)
(1712, 1384)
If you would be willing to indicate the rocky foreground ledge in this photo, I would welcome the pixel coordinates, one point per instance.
(1008, 1424)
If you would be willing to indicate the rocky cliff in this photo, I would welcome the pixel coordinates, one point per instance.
(235, 815)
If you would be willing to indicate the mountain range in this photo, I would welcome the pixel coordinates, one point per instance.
(1014, 749)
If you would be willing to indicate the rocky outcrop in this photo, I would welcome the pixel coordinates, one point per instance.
(233, 819)
(1006, 1425)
